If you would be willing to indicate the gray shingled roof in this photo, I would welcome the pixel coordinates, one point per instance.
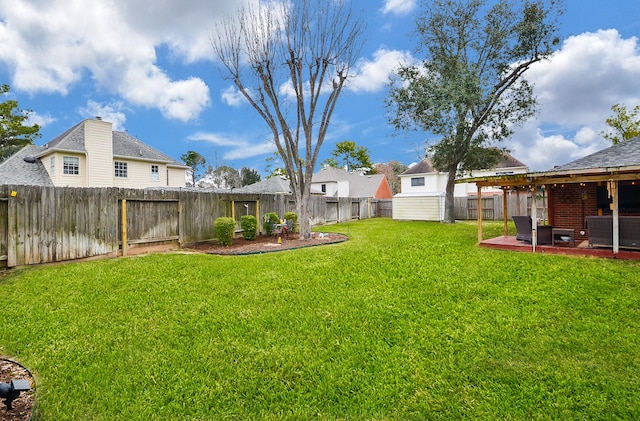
(624, 154)
(15, 170)
(365, 185)
(127, 146)
(268, 185)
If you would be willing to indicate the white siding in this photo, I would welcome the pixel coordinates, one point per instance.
(418, 207)
(61, 179)
(176, 176)
(98, 141)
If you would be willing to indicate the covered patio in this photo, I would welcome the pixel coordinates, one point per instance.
(600, 189)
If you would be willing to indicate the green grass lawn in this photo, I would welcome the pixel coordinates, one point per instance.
(407, 320)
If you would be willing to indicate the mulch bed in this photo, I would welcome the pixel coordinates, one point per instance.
(23, 405)
(264, 244)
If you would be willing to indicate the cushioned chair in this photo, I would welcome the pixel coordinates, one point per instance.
(523, 228)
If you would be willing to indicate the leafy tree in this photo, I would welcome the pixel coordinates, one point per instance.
(290, 61)
(624, 124)
(348, 154)
(392, 171)
(196, 162)
(14, 133)
(248, 176)
(470, 88)
(226, 177)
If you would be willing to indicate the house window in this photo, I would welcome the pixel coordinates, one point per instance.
(52, 166)
(323, 188)
(71, 165)
(155, 173)
(120, 169)
(417, 181)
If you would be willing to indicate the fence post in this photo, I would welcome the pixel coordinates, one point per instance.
(124, 227)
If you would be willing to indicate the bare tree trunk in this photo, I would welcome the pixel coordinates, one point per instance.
(309, 45)
(449, 203)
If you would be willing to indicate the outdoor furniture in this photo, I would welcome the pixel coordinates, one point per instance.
(524, 227)
(601, 231)
(563, 236)
(283, 229)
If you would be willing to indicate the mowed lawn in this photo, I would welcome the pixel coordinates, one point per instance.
(405, 321)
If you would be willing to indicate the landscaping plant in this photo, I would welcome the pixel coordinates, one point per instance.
(292, 216)
(249, 225)
(269, 220)
(224, 228)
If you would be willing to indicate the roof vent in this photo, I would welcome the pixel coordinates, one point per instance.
(29, 159)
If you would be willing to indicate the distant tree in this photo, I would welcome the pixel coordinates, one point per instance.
(624, 124)
(226, 177)
(353, 157)
(470, 88)
(290, 61)
(14, 133)
(248, 176)
(392, 171)
(196, 162)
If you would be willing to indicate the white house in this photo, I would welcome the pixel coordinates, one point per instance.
(422, 188)
(336, 182)
(91, 154)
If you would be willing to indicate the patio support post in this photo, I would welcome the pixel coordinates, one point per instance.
(479, 214)
(534, 220)
(505, 217)
(616, 220)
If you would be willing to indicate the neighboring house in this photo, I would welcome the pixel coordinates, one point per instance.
(422, 188)
(91, 154)
(336, 182)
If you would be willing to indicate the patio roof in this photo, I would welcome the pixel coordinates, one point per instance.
(616, 163)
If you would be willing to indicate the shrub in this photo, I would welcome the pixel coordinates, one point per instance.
(269, 219)
(292, 216)
(249, 225)
(224, 228)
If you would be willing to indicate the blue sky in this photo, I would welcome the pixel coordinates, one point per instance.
(148, 68)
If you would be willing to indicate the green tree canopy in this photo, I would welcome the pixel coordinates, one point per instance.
(249, 176)
(196, 162)
(470, 89)
(353, 157)
(14, 133)
(623, 125)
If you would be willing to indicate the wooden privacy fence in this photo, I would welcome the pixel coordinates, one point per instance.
(54, 224)
(518, 203)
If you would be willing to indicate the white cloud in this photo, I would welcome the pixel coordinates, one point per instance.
(576, 89)
(49, 47)
(108, 112)
(232, 96)
(238, 148)
(399, 7)
(373, 75)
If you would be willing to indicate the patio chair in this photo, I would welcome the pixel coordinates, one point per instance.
(523, 227)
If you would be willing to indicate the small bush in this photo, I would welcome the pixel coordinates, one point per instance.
(224, 228)
(249, 225)
(269, 220)
(292, 216)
